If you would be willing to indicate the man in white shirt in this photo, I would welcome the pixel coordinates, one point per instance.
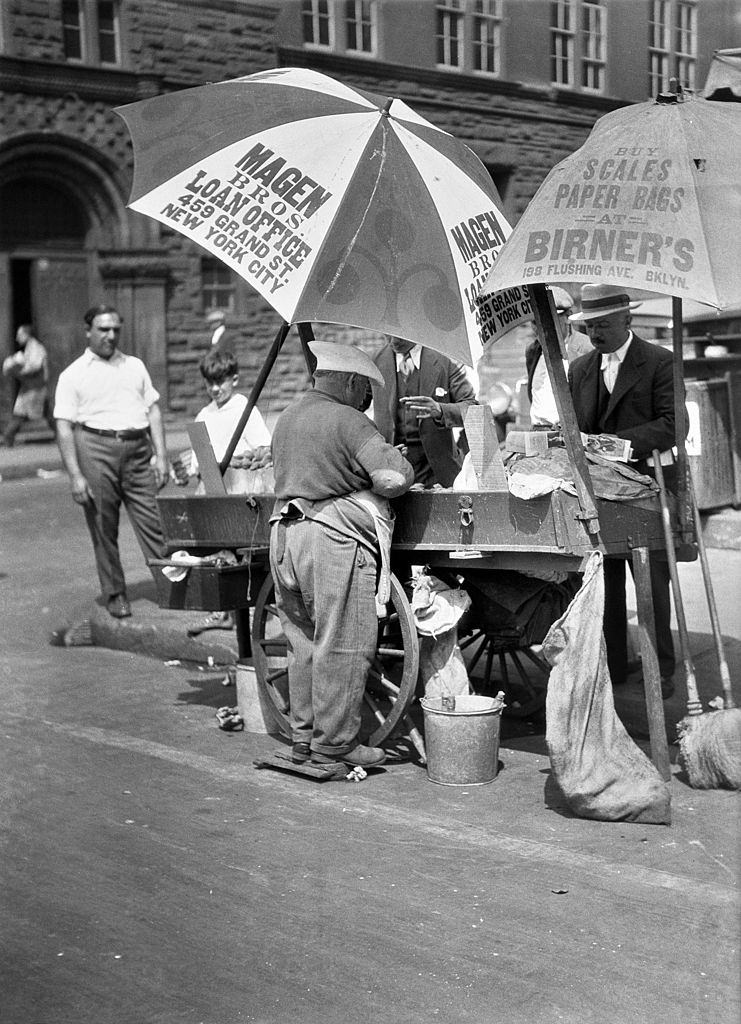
(543, 410)
(112, 441)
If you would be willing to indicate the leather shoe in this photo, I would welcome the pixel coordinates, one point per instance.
(359, 756)
(118, 607)
(300, 752)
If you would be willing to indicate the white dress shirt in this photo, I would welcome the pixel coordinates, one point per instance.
(108, 394)
(612, 361)
(414, 354)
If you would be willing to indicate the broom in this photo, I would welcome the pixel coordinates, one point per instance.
(709, 743)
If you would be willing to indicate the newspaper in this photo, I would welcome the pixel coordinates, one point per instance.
(616, 449)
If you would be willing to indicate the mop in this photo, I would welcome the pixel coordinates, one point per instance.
(709, 742)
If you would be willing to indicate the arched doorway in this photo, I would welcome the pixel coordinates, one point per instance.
(66, 242)
(43, 230)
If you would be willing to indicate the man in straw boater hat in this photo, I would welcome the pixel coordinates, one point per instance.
(329, 551)
(625, 387)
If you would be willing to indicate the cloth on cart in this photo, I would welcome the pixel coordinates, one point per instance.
(437, 609)
(535, 475)
(598, 768)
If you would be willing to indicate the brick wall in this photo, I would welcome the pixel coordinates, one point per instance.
(521, 130)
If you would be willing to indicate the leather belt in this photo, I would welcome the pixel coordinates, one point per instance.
(120, 435)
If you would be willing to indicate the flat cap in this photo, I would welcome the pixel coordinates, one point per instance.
(346, 359)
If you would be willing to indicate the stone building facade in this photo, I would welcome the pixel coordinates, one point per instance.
(67, 239)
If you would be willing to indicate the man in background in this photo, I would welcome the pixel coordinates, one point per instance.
(543, 411)
(424, 399)
(216, 323)
(30, 367)
(112, 441)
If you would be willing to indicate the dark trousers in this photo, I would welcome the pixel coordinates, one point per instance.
(16, 422)
(325, 586)
(615, 623)
(119, 472)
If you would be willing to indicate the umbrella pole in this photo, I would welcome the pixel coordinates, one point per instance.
(680, 420)
(257, 387)
(306, 334)
(545, 321)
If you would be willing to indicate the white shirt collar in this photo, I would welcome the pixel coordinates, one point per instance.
(619, 353)
(414, 354)
(92, 357)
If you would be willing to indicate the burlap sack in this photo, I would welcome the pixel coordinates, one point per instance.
(599, 769)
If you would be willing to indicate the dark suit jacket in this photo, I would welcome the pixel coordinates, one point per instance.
(446, 382)
(641, 406)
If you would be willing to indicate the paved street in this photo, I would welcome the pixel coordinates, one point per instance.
(150, 875)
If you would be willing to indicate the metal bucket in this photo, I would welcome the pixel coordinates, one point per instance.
(462, 745)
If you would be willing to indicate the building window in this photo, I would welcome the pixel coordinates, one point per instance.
(686, 43)
(360, 19)
(593, 46)
(217, 285)
(72, 24)
(91, 32)
(486, 33)
(318, 17)
(108, 33)
(672, 35)
(450, 38)
(562, 42)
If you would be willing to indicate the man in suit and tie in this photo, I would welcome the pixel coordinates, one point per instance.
(625, 387)
(425, 397)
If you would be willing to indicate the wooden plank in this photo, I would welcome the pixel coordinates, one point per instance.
(208, 467)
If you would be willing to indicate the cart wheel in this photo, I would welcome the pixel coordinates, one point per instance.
(393, 676)
(524, 692)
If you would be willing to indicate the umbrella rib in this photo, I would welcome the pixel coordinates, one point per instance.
(351, 244)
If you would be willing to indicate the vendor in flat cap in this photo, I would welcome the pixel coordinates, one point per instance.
(329, 549)
(625, 387)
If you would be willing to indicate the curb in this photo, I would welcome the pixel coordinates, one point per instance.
(163, 642)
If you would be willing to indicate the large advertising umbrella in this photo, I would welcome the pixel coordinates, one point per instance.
(337, 205)
(651, 201)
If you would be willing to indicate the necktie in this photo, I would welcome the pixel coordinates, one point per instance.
(407, 366)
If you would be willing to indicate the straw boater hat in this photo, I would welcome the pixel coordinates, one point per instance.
(346, 359)
(601, 300)
(215, 316)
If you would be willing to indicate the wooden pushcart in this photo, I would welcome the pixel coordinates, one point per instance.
(459, 533)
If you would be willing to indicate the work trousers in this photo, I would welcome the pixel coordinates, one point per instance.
(615, 626)
(119, 472)
(325, 586)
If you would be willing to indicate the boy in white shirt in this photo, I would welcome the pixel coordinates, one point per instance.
(250, 467)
